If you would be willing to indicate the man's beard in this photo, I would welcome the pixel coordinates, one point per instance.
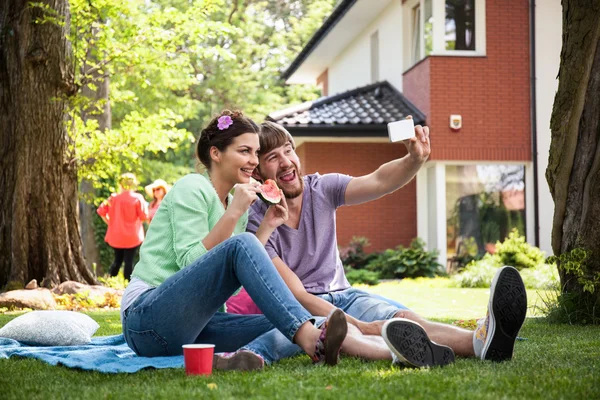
(292, 194)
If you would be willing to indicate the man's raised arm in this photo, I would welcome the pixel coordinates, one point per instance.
(392, 175)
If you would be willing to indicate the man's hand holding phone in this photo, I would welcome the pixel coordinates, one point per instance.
(416, 138)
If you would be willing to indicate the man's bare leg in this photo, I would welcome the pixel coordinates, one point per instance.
(369, 347)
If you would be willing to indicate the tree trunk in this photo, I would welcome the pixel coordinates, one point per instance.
(86, 224)
(39, 234)
(573, 172)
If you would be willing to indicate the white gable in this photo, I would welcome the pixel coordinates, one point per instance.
(344, 34)
(352, 68)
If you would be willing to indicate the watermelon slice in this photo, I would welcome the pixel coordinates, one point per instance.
(269, 192)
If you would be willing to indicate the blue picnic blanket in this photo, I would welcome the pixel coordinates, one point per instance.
(107, 354)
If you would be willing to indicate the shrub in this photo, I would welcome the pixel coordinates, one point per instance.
(354, 256)
(114, 282)
(466, 252)
(574, 263)
(541, 277)
(515, 251)
(363, 276)
(407, 262)
(83, 301)
(478, 274)
(576, 306)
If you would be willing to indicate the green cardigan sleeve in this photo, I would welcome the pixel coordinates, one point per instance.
(189, 214)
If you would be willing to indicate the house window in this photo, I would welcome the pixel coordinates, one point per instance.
(428, 26)
(483, 204)
(422, 39)
(460, 25)
(375, 56)
(443, 27)
(416, 34)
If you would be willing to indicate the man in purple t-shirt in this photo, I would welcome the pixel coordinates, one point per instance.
(304, 250)
(310, 248)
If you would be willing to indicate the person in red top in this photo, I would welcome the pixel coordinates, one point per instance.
(124, 214)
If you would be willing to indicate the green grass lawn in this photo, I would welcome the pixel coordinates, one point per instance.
(555, 362)
(436, 299)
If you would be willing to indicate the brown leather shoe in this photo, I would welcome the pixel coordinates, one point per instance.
(241, 360)
(332, 336)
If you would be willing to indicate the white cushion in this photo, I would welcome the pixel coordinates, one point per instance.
(51, 328)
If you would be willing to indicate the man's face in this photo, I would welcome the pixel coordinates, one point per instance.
(283, 166)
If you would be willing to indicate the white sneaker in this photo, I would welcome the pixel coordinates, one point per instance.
(494, 338)
(411, 346)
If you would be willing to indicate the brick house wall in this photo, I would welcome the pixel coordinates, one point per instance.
(492, 93)
(386, 222)
(416, 86)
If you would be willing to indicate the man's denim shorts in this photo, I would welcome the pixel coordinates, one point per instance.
(362, 305)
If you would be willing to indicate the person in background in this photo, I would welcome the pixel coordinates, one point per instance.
(124, 214)
(158, 190)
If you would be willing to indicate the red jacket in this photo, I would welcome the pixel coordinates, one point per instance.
(126, 211)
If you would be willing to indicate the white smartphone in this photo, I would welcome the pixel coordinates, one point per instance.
(401, 130)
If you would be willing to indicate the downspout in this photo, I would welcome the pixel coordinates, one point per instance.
(533, 110)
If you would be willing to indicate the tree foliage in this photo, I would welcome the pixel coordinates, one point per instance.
(172, 64)
(163, 66)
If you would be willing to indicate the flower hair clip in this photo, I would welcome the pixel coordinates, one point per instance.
(225, 122)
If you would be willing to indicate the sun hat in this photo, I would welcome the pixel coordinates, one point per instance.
(159, 183)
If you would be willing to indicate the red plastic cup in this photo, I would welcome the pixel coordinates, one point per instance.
(198, 358)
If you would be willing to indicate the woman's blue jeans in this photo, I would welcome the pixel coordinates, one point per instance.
(183, 309)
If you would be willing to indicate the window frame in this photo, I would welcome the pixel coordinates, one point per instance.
(374, 48)
(438, 32)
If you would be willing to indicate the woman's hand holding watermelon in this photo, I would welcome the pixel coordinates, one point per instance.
(245, 194)
(277, 214)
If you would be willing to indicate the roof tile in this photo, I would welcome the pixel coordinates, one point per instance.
(374, 105)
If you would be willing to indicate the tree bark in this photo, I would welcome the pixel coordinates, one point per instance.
(573, 172)
(86, 224)
(39, 234)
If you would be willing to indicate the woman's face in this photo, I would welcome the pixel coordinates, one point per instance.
(239, 159)
(158, 193)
